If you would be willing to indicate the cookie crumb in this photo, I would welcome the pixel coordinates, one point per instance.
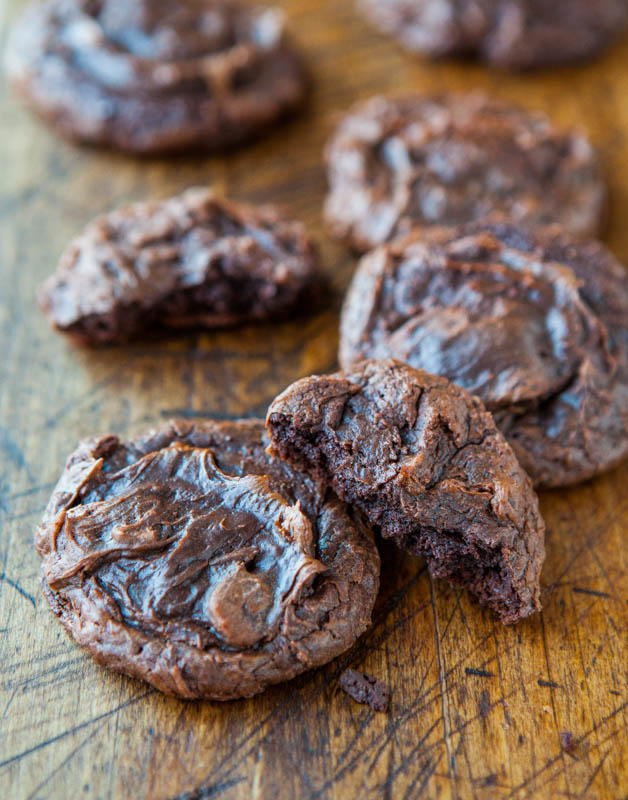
(567, 742)
(365, 689)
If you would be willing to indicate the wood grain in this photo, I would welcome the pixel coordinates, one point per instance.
(477, 709)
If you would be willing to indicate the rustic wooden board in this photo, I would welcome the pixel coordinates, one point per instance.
(477, 709)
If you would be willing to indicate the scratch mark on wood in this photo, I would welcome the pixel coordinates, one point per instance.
(9, 702)
(47, 676)
(426, 770)
(600, 564)
(65, 762)
(425, 698)
(4, 578)
(549, 684)
(13, 451)
(541, 682)
(207, 792)
(415, 708)
(414, 752)
(387, 787)
(14, 202)
(551, 761)
(593, 592)
(443, 686)
(32, 490)
(193, 413)
(70, 731)
(24, 514)
(75, 403)
(64, 647)
(421, 703)
(481, 673)
(594, 774)
(383, 740)
(351, 744)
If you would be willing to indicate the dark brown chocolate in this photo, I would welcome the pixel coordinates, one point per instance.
(395, 164)
(517, 34)
(155, 75)
(426, 464)
(365, 689)
(193, 260)
(534, 323)
(192, 559)
(567, 742)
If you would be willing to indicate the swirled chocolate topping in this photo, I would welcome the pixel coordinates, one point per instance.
(426, 464)
(190, 558)
(400, 163)
(517, 34)
(533, 322)
(192, 260)
(155, 75)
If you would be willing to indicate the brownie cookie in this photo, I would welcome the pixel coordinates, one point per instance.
(193, 260)
(151, 76)
(518, 34)
(424, 461)
(192, 559)
(534, 323)
(414, 161)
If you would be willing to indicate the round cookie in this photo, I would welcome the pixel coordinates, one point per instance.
(399, 163)
(534, 323)
(194, 260)
(517, 34)
(425, 463)
(192, 559)
(151, 76)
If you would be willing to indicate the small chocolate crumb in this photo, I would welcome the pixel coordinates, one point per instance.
(365, 689)
(567, 741)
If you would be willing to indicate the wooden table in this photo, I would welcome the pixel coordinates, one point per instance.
(477, 709)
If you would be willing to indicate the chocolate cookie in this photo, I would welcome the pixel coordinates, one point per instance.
(424, 461)
(517, 34)
(396, 164)
(534, 323)
(155, 75)
(192, 559)
(193, 260)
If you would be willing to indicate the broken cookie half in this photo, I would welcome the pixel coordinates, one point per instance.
(194, 260)
(426, 464)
